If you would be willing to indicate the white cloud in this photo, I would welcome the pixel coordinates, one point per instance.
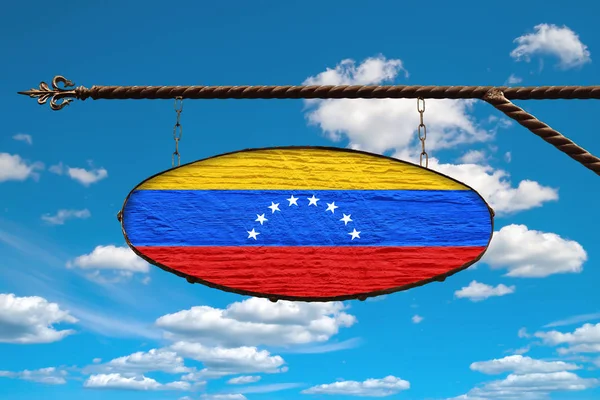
(269, 388)
(533, 254)
(14, 168)
(521, 365)
(118, 381)
(372, 71)
(380, 125)
(387, 386)
(377, 298)
(508, 156)
(244, 379)
(122, 261)
(223, 361)
(110, 322)
(258, 321)
(417, 319)
(161, 360)
(532, 386)
(111, 257)
(585, 339)
(542, 382)
(477, 291)
(109, 277)
(23, 137)
(549, 39)
(50, 375)
(501, 122)
(580, 348)
(57, 169)
(27, 320)
(513, 80)
(326, 347)
(521, 350)
(576, 319)
(523, 333)
(236, 396)
(63, 215)
(259, 310)
(87, 177)
(495, 187)
(202, 375)
(473, 157)
(97, 360)
(84, 176)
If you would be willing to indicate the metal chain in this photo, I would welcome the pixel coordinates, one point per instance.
(177, 130)
(422, 132)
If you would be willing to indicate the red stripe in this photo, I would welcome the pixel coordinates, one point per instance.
(312, 272)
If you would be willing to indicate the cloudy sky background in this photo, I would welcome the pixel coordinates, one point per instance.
(82, 316)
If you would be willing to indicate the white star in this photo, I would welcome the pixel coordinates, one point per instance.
(312, 200)
(293, 200)
(261, 218)
(346, 219)
(274, 207)
(252, 234)
(331, 207)
(355, 234)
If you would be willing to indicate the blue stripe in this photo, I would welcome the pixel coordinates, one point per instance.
(383, 218)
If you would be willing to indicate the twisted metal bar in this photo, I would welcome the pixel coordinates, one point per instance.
(499, 97)
(335, 92)
(43, 93)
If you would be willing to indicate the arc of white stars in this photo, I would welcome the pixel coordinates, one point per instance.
(260, 218)
(331, 207)
(312, 201)
(274, 207)
(346, 219)
(355, 234)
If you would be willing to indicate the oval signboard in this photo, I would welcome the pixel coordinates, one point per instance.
(306, 223)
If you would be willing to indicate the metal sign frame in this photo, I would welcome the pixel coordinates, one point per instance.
(498, 96)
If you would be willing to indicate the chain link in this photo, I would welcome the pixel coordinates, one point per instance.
(422, 132)
(177, 131)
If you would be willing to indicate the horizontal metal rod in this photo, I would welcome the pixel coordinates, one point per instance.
(499, 97)
(60, 97)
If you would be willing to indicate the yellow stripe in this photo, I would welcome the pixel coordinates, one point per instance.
(300, 168)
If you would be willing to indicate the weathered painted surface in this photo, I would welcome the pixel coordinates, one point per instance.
(307, 223)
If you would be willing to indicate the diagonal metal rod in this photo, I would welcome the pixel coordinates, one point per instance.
(498, 96)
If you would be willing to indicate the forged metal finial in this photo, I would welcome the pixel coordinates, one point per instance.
(59, 97)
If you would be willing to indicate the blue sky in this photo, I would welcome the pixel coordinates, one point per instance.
(81, 316)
